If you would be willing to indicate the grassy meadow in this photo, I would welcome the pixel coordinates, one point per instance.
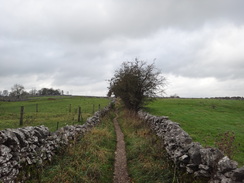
(206, 120)
(50, 111)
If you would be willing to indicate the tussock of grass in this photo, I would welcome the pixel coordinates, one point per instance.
(89, 160)
(147, 160)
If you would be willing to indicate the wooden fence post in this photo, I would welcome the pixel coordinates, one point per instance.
(69, 107)
(36, 107)
(57, 125)
(99, 107)
(79, 114)
(21, 115)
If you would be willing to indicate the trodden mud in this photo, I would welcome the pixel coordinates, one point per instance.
(120, 166)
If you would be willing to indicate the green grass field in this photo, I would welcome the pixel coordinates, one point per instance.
(205, 119)
(51, 110)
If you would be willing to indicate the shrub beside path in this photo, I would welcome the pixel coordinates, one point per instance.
(120, 166)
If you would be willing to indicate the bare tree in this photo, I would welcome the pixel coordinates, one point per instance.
(136, 83)
(5, 93)
(17, 90)
(33, 92)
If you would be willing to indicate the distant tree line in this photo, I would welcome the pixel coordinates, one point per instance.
(230, 98)
(18, 92)
(49, 91)
(222, 98)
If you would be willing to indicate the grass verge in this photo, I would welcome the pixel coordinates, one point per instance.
(147, 160)
(90, 159)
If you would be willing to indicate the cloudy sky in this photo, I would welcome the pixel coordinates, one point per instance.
(76, 45)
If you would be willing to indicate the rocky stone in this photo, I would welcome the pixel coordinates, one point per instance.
(184, 159)
(211, 156)
(226, 180)
(238, 174)
(7, 167)
(202, 173)
(225, 165)
(21, 137)
(5, 154)
(3, 137)
(191, 168)
(204, 167)
(194, 153)
(11, 140)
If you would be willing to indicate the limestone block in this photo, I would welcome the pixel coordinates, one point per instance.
(211, 156)
(225, 165)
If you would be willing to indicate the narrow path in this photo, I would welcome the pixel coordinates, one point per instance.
(120, 166)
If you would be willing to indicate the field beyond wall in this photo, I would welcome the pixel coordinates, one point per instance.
(49, 111)
(205, 119)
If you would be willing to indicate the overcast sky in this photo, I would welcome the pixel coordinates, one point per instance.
(76, 45)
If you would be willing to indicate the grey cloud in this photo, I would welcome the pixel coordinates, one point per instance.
(67, 44)
(23, 57)
(89, 21)
(207, 87)
(213, 52)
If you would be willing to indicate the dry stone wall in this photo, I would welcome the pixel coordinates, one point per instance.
(34, 145)
(197, 160)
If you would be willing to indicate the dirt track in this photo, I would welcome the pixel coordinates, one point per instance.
(120, 166)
